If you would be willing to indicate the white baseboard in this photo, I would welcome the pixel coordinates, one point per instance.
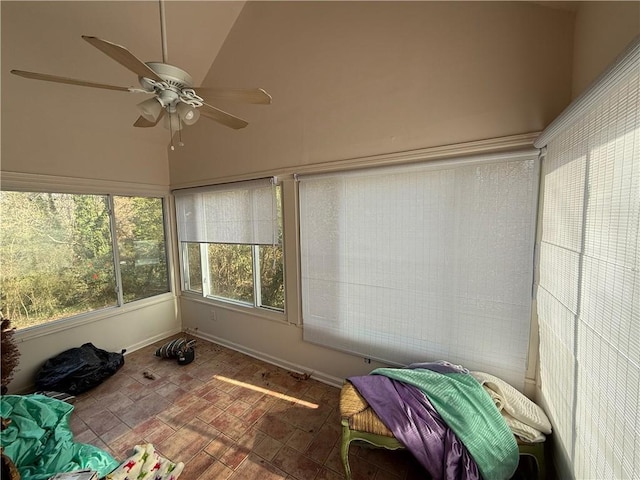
(26, 389)
(278, 362)
(148, 341)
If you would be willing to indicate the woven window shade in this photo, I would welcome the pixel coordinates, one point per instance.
(423, 262)
(589, 289)
(233, 213)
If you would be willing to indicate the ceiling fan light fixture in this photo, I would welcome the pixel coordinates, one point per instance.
(188, 114)
(150, 109)
(172, 122)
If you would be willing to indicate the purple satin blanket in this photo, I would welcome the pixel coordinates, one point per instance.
(408, 413)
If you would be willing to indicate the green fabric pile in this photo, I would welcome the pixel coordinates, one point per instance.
(470, 412)
(39, 441)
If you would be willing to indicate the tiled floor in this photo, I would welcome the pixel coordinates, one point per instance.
(227, 415)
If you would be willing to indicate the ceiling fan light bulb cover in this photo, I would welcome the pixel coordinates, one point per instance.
(150, 109)
(188, 114)
(172, 122)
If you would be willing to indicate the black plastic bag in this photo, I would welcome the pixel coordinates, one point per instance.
(78, 369)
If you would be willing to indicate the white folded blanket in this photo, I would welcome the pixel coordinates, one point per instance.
(526, 419)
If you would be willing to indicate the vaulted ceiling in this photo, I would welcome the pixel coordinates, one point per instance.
(45, 37)
(60, 128)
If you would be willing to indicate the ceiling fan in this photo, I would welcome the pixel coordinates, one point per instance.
(174, 96)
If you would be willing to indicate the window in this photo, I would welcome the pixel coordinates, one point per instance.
(59, 257)
(141, 247)
(423, 262)
(231, 243)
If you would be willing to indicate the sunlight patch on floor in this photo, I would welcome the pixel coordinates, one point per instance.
(266, 391)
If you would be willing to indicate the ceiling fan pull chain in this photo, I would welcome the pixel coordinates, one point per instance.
(171, 131)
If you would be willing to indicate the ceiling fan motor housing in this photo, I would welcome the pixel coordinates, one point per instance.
(175, 88)
(174, 76)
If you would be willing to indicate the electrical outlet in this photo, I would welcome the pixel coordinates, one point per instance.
(367, 360)
(212, 315)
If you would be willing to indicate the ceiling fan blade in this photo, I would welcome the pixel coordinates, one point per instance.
(222, 117)
(70, 81)
(144, 123)
(245, 95)
(123, 56)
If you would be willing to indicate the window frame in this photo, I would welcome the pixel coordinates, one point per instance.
(206, 284)
(206, 296)
(116, 247)
(38, 183)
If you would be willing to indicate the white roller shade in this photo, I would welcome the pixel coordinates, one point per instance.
(233, 213)
(423, 262)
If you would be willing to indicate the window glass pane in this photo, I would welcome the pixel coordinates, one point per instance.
(56, 255)
(141, 247)
(272, 277)
(231, 271)
(191, 255)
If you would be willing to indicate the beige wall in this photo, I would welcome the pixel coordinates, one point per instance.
(83, 137)
(80, 132)
(131, 326)
(347, 79)
(602, 31)
(113, 330)
(359, 78)
(365, 78)
(53, 129)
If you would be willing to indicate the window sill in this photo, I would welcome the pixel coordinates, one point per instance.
(89, 317)
(264, 313)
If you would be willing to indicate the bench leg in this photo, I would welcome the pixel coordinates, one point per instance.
(344, 453)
